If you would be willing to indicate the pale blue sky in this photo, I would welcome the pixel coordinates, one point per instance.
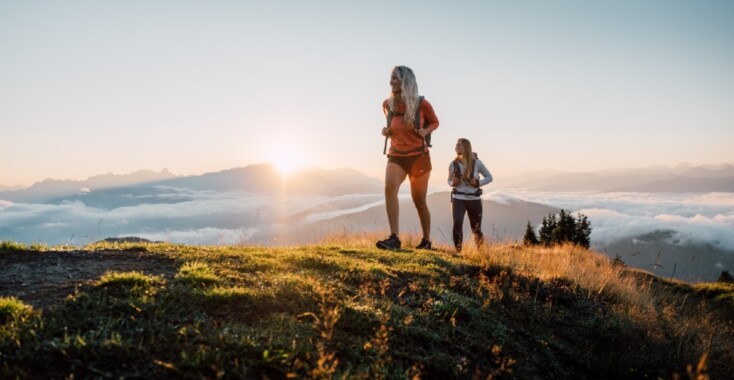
(90, 87)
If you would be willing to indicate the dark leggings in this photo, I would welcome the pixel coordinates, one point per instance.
(474, 209)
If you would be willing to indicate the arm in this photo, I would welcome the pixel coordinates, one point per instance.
(386, 130)
(430, 121)
(487, 176)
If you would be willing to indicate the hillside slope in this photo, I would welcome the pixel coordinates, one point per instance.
(503, 220)
(344, 309)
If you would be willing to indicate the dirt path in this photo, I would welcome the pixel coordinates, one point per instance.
(43, 279)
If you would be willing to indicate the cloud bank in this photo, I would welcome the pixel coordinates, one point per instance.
(210, 217)
(706, 218)
(173, 215)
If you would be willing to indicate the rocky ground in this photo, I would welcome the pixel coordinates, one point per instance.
(43, 279)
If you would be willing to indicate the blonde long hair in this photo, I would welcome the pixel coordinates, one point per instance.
(466, 158)
(408, 94)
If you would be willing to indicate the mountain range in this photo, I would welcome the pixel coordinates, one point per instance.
(680, 179)
(259, 178)
(257, 205)
(262, 178)
(53, 188)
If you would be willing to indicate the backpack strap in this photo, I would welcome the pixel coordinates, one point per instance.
(457, 169)
(457, 172)
(416, 124)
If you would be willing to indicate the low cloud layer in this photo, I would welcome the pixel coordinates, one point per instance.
(696, 218)
(208, 217)
(174, 215)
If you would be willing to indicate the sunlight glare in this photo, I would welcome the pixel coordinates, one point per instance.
(288, 161)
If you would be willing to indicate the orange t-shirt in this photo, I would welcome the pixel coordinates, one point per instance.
(405, 139)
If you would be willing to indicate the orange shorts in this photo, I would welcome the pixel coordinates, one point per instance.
(415, 166)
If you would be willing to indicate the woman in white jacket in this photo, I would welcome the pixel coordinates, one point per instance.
(466, 195)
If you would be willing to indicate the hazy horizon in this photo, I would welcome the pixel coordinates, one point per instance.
(437, 178)
(114, 87)
(700, 223)
(688, 213)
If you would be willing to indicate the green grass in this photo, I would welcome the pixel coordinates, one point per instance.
(719, 291)
(12, 309)
(6, 245)
(196, 273)
(347, 310)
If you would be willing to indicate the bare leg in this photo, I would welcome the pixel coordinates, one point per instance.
(394, 177)
(418, 190)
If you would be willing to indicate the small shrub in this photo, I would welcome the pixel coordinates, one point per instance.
(38, 247)
(130, 279)
(618, 262)
(9, 245)
(194, 273)
(126, 284)
(12, 308)
(726, 277)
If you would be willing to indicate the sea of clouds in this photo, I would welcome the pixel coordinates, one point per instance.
(174, 215)
(698, 218)
(209, 217)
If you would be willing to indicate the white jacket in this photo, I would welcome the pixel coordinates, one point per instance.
(464, 187)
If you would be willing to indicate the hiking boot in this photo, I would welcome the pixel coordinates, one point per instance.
(458, 248)
(391, 243)
(425, 244)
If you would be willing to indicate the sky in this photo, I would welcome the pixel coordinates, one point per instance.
(92, 87)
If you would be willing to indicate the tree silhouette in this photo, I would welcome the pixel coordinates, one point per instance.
(530, 237)
(583, 231)
(564, 228)
(546, 230)
(725, 277)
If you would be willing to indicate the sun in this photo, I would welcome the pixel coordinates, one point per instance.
(285, 167)
(288, 162)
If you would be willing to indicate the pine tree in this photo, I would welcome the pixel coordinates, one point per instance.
(582, 231)
(530, 238)
(563, 228)
(546, 230)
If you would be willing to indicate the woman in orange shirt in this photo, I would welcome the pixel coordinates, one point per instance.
(408, 156)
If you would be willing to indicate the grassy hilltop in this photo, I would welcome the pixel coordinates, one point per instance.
(343, 309)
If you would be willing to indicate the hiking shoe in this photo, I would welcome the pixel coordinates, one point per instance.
(391, 243)
(425, 244)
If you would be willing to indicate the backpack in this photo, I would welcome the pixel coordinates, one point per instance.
(416, 123)
(457, 173)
